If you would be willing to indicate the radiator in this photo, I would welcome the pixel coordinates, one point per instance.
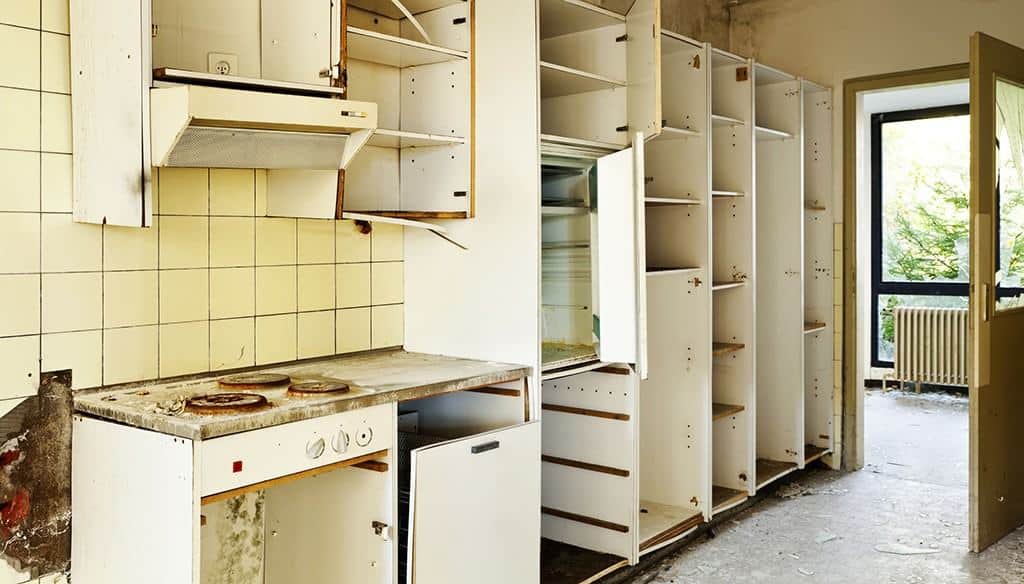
(931, 345)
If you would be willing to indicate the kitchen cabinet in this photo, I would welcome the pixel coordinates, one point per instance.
(735, 388)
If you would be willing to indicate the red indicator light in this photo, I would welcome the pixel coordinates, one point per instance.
(236, 466)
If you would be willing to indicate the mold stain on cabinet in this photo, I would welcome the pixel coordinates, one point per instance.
(233, 536)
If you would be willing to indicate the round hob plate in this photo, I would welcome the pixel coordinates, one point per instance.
(317, 388)
(226, 403)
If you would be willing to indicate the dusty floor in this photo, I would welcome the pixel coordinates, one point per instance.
(825, 526)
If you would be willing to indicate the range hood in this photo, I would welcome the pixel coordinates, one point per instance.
(201, 126)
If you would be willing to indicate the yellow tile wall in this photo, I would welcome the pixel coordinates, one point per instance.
(212, 286)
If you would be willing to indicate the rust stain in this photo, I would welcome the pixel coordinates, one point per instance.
(35, 479)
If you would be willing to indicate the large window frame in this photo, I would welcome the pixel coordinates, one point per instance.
(879, 286)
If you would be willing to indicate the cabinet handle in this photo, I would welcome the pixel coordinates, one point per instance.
(481, 448)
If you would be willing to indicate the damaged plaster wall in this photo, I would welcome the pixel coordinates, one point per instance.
(704, 20)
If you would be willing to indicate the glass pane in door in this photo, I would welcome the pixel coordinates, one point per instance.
(1010, 194)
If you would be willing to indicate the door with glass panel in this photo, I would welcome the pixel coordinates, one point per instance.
(997, 303)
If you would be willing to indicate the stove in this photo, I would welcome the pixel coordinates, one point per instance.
(318, 388)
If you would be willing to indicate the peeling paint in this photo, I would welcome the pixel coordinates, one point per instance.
(35, 480)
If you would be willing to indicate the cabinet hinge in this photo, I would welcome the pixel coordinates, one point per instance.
(156, 30)
(622, 39)
(459, 20)
(622, 128)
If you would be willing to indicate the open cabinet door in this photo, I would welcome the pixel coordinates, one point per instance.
(619, 257)
(997, 310)
(475, 509)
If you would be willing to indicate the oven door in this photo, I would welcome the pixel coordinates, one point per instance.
(475, 509)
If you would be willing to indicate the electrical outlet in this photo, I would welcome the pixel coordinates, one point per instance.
(222, 64)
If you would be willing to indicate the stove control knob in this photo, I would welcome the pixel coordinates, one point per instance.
(364, 436)
(340, 441)
(315, 447)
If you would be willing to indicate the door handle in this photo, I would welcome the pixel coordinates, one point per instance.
(485, 447)
(985, 291)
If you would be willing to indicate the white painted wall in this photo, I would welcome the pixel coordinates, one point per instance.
(829, 41)
(484, 303)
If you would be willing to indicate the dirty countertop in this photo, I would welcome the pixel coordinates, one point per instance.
(374, 379)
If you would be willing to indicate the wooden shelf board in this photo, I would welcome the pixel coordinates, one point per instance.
(772, 470)
(812, 453)
(562, 563)
(585, 412)
(670, 271)
(385, 49)
(598, 468)
(813, 327)
(558, 355)
(665, 201)
(719, 286)
(719, 411)
(585, 519)
(562, 17)
(725, 348)
(723, 194)
(772, 134)
(669, 133)
(383, 138)
(559, 80)
(724, 498)
(662, 523)
(720, 121)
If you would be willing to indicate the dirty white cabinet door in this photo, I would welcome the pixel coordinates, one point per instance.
(475, 509)
(620, 267)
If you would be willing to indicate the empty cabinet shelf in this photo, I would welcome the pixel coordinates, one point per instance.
(725, 194)
(813, 327)
(719, 411)
(562, 17)
(589, 466)
(661, 523)
(772, 470)
(562, 210)
(718, 349)
(551, 145)
(812, 453)
(400, 139)
(669, 133)
(724, 498)
(669, 271)
(559, 80)
(385, 49)
(720, 121)
(771, 134)
(558, 355)
(664, 201)
(585, 519)
(719, 286)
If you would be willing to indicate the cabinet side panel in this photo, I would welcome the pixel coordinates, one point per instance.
(135, 515)
(109, 85)
(484, 302)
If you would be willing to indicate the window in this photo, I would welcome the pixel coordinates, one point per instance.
(921, 182)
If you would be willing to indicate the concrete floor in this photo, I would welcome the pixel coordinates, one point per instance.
(902, 519)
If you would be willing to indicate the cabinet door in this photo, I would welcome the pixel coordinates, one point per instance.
(619, 258)
(475, 509)
(296, 41)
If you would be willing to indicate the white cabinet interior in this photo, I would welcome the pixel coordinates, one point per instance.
(818, 276)
(733, 280)
(416, 66)
(780, 274)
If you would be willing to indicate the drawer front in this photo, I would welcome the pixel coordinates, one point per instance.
(260, 455)
(476, 509)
